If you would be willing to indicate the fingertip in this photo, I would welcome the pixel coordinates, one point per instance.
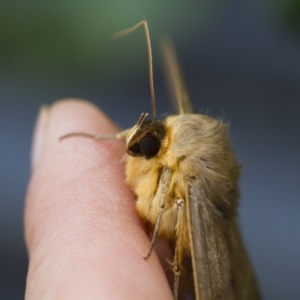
(39, 134)
(66, 116)
(80, 221)
(87, 162)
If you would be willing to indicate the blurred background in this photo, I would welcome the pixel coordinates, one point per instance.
(242, 62)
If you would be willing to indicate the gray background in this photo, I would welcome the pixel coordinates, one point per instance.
(242, 62)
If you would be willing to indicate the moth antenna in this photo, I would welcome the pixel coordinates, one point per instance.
(130, 30)
(119, 135)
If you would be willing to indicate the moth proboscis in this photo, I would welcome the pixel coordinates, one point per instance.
(191, 192)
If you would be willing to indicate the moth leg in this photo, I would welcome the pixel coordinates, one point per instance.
(161, 193)
(97, 137)
(178, 257)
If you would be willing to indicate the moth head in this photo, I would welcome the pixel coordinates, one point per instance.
(144, 139)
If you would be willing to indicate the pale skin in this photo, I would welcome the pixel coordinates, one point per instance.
(84, 237)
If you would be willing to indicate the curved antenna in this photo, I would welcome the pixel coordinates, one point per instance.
(129, 30)
(88, 135)
(118, 136)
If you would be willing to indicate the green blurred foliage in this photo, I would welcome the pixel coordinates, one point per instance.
(54, 39)
(291, 10)
(286, 12)
(58, 38)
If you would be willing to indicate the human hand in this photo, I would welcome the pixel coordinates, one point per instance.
(84, 237)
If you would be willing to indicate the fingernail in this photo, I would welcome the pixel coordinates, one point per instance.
(39, 135)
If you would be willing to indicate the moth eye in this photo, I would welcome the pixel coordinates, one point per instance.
(149, 146)
(135, 150)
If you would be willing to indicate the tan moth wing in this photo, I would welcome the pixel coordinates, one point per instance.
(209, 252)
(221, 268)
(220, 264)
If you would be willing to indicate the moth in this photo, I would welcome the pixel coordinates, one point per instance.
(185, 176)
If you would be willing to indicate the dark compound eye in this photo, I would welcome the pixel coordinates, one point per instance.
(135, 150)
(149, 146)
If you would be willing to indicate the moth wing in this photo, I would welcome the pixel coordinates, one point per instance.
(209, 249)
(175, 79)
